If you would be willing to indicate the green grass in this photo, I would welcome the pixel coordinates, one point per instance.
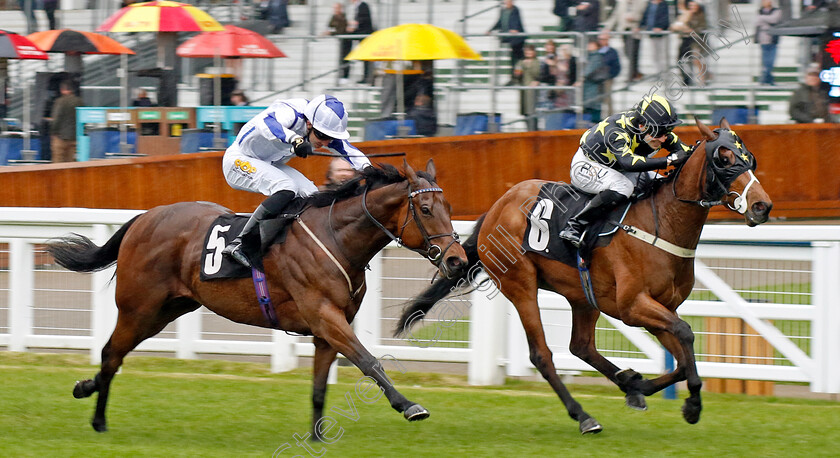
(168, 407)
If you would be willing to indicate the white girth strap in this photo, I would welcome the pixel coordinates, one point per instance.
(657, 242)
(335, 261)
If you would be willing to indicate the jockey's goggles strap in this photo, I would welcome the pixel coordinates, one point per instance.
(657, 242)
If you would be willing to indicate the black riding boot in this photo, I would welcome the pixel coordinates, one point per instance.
(270, 208)
(599, 206)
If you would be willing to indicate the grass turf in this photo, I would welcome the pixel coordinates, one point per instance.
(169, 407)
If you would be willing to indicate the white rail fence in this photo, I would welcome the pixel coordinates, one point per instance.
(781, 280)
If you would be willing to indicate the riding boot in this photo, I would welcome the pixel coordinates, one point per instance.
(599, 206)
(270, 208)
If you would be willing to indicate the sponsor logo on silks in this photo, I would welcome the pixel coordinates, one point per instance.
(244, 166)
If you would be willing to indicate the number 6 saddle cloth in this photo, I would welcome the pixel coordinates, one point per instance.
(555, 204)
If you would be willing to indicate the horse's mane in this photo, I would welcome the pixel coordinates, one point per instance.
(371, 178)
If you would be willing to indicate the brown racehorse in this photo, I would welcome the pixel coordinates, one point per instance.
(633, 281)
(158, 256)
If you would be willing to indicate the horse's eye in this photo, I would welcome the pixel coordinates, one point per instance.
(426, 210)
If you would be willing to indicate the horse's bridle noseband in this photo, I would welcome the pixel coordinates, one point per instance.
(431, 251)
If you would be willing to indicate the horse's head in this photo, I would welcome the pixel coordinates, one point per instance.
(729, 174)
(431, 234)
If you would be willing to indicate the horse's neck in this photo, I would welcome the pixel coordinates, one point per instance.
(357, 235)
(682, 222)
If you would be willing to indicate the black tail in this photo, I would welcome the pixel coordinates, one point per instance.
(79, 254)
(417, 307)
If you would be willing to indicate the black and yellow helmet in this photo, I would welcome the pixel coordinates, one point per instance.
(657, 114)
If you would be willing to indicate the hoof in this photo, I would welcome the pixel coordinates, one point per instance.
(636, 401)
(691, 410)
(99, 426)
(590, 426)
(84, 388)
(416, 413)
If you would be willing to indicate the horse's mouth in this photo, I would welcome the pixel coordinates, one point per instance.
(753, 220)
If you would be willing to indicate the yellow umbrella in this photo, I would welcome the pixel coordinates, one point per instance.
(413, 42)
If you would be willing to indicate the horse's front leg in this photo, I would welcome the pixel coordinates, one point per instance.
(677, 337)
(329, 323)
(582, 345)
(324, 357)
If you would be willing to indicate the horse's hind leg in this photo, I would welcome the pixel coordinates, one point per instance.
(324, 357)
(525, 300)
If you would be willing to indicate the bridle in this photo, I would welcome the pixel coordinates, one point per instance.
(715, 168)
(430, 251)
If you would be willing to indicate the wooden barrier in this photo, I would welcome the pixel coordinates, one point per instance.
(731, 340)
(794, 165)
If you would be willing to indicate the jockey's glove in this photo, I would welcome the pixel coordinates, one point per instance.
(302, 147)
(677, 158)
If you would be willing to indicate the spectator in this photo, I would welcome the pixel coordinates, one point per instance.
(238, 98)
(527, 73)
(613, 62)
(278, 15)
(768, 16)
(809, 103)
(626, 17)
(566, 75)
(362, 25)
(561, 9)
(656, 19)
(595, 73)
(338, 26)
(510, 21)
(49, 8)
(142, 99)
(691, 20)
(424, 116)
(338, 173)
(27, 7)
(63, 128)
(809, 6)
(548, 73)
(588, 13)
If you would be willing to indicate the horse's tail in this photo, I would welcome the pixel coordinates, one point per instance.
(417, 307)
(78, 253)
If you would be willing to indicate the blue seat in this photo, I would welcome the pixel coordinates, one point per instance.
(734, 115)
(382, 129)
(564, 121)
(195, 140)
(474, 123)
(106, 140)
(12, 144)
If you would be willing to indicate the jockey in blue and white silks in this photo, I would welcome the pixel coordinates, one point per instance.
(256, 161)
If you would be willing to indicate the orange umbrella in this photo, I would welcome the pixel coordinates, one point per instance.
(66, 40)
(160, 16)
(230, 43)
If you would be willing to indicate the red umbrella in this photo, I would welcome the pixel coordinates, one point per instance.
(230, 43)
(14, 46)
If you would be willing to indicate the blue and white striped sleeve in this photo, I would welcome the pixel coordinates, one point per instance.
(353, 155)
(276, 125)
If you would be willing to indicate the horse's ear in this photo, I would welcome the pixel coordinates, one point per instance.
(430, 168)
(704, 129)
(409, 172)
(724, 124)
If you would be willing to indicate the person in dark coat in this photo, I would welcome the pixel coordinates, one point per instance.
(561, 10)
(656, 18)
(510, 21)
(363, 25)
(588, 13)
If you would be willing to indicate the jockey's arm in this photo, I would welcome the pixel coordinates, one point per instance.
(620, 145)
(277, 126)
(350, 153)
(674, 145)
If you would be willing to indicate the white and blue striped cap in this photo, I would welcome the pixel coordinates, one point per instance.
(327, 115)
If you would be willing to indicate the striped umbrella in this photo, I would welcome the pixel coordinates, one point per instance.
(160, 16)
(14, 46)
(66, 40)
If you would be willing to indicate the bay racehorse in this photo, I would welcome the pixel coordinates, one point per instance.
(633, 280)
(316, 280)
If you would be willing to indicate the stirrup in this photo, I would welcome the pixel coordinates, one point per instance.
(234, 251)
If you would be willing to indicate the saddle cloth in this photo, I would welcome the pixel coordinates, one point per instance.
(555, 204)
(224, 229)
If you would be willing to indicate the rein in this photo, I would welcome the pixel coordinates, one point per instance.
(739, 204)
(432, 252)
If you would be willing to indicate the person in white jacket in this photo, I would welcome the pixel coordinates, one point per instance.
(625, 17)
(256, 161)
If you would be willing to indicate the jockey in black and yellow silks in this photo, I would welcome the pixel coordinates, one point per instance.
(615, 151)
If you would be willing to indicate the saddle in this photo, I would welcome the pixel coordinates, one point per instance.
(225, 228)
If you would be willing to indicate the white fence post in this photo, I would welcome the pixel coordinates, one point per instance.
(283, 355)
(21, 284)
(103, 305)
(487, 338)
(368, 321)
(825, 346)
(518, 353)
(188, 331)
